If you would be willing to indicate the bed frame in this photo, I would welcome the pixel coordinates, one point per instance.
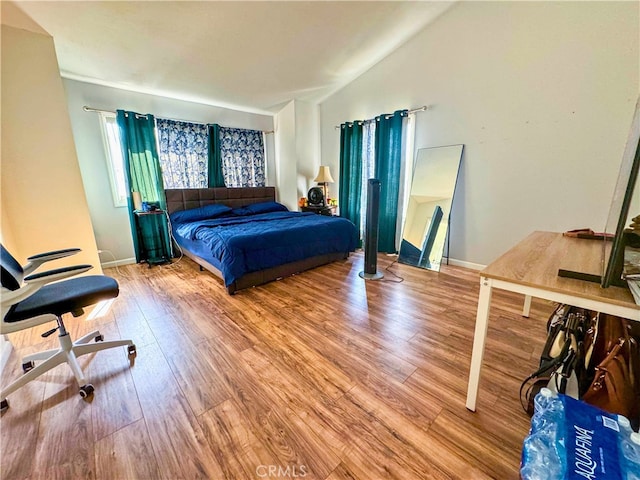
(185, 198)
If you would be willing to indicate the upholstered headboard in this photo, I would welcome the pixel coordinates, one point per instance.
(186, 198)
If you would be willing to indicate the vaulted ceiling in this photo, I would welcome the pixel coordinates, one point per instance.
(254, 56)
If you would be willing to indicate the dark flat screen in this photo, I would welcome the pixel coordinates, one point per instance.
(621, 205)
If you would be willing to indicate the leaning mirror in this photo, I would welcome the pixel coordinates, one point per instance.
(426, 223)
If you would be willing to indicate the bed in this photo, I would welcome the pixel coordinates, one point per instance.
(246, 239)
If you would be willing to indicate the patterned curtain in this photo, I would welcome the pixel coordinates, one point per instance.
(243, 159)
(183, 153)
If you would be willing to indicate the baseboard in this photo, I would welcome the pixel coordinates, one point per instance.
(117, 263)
(462, 263)
(5, 352)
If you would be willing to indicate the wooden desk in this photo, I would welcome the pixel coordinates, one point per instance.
(531, 268)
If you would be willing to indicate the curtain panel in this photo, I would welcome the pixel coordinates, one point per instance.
(242, 156)
(216, 178)
(183, 149)
(368, 165)
(388, 152)
(350, 196)
(142, 171)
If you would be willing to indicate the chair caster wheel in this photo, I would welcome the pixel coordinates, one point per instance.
(86, 390)
(28, 366)
(99, 338)
(4, 406)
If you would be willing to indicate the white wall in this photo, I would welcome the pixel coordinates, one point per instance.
(285, 147)
(297, 150)
(540, 93)
(111, 224)
(307, 145)
(44, 206)
(6, 225)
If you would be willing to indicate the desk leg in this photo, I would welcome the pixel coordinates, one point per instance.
(527, 306)
(479, 337)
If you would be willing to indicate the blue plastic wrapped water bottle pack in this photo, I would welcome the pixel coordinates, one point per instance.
(572, 440)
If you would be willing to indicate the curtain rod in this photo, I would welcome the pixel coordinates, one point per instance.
(97, 110)
(140, 115)
(409, 112)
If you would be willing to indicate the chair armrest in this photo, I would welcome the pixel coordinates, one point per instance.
(46, 256)
(36, 260)
(35, 282)
(57, 274)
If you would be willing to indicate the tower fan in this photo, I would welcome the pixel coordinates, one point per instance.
(371, 232)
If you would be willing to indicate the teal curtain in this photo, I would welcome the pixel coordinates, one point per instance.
(143, 174)
(216, 179)
(351, 172)
(387, 166)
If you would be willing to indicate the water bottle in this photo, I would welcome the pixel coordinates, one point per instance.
(625, 425)
(630, 454)
(543, 455)
(572, 440)
(548, 405)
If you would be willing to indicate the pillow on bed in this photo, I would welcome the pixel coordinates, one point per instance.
(201, 213)
(256, 208)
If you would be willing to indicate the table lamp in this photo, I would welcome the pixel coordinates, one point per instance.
(136, 198)
(324, 177)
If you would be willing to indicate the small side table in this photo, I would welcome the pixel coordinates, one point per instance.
(153, 246)
(327, 210)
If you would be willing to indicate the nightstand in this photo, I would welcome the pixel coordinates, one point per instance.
(153, 247)
(327, 210)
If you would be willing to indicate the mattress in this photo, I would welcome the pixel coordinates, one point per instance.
(237, 245)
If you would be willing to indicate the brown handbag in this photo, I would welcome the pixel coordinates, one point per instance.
(613, 386)
(616, 383)
(609, 330)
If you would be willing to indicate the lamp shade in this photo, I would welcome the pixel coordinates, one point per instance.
(136, 199)
(324, 175)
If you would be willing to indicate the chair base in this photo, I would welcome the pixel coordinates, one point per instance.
(68, 352)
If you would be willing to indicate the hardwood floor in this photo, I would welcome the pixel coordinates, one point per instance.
(317, 376)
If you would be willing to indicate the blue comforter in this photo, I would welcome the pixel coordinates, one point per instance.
(243, 244)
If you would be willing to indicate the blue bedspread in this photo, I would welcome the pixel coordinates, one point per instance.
(237, 245)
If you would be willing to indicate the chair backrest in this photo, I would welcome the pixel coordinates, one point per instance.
(12, 273)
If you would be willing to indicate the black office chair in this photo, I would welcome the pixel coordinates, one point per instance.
(31, 299)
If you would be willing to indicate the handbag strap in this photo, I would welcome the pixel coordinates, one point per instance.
(547, 366)
(567, 368)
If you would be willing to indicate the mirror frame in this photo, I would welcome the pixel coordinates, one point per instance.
(441, 217)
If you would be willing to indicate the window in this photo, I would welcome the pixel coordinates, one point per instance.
(115, 162)
(182, 149)
(369, 169)
(368, 165)
(243, 157)
(183, 155)
(376, 148)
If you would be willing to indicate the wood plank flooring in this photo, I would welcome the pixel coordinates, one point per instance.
(318, 376)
